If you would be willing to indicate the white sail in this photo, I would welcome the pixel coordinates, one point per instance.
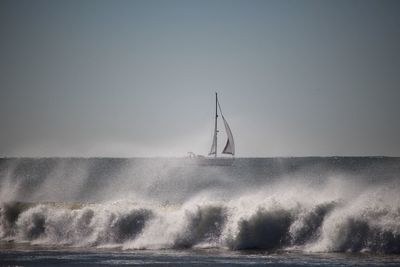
(213, 149)
(230, 144)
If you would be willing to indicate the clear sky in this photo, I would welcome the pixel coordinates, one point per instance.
(137, 78)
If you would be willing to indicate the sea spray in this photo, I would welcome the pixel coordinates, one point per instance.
(164, 203)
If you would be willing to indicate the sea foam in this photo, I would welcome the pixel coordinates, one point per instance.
(308, 204)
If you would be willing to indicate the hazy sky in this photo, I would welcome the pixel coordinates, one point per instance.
(137, 78)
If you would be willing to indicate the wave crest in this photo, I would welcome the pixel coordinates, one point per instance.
(259, 204)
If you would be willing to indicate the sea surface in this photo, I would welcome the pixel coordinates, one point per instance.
(311, 211)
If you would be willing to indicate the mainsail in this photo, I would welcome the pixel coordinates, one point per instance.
(230, 144)
(213, 150)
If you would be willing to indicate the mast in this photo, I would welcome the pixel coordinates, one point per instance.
(216, 118)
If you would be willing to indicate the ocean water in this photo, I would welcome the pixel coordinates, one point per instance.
(337, 211)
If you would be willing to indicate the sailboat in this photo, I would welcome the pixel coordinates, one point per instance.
(214, 159)
(230, 144)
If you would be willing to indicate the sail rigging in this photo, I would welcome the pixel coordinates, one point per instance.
(230, 144)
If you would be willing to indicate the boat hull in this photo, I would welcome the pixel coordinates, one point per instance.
(210, 161)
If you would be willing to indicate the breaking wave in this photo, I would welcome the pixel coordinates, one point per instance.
(313, 205)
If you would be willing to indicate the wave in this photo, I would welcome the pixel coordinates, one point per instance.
(167, 206)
